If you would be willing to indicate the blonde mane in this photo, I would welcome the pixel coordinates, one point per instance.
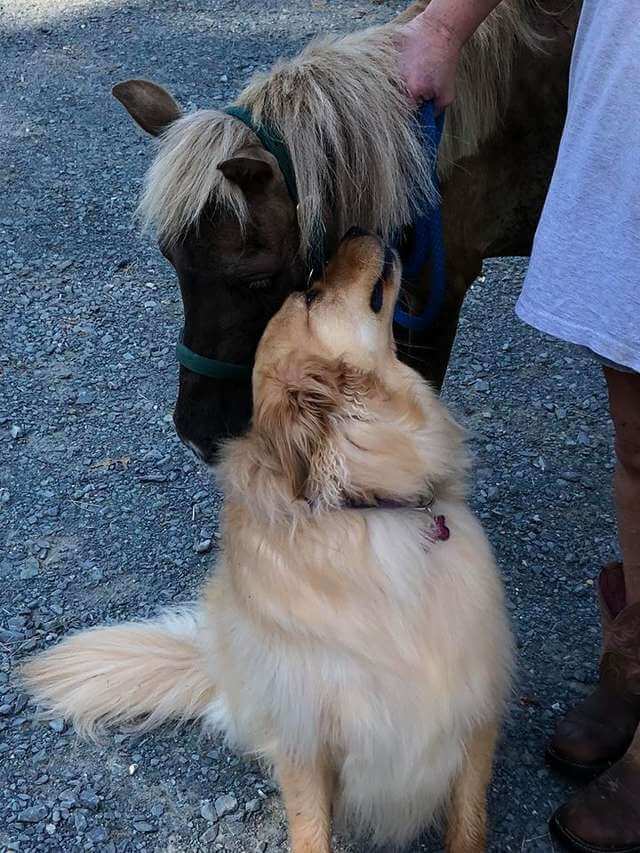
(341, 106)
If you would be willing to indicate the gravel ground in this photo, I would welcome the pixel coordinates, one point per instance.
(103, 515)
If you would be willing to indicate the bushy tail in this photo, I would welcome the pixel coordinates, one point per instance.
(142, 672)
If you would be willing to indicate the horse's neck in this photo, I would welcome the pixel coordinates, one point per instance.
(492, 202)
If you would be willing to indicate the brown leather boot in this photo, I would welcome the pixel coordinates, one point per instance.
(599, 730)
(605, 816)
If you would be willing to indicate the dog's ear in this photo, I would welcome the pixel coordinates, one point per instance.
(297, 418)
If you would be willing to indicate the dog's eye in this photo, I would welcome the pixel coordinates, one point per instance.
(377, 297)
(311, 295)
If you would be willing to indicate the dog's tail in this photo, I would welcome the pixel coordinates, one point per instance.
(138, 672)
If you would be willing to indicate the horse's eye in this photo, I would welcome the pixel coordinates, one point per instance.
(377, 297)
(260, 283)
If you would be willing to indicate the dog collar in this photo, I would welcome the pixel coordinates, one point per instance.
(438, 533)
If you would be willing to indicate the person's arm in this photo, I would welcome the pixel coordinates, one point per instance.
(431, 46)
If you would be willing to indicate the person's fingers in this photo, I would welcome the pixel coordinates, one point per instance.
(419, 92)
(438, 86)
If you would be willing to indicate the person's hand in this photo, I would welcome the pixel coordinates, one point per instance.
(429, 54)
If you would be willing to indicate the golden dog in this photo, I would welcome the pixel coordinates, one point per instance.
(354, 633)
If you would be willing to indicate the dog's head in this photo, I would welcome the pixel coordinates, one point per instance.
(337, 417)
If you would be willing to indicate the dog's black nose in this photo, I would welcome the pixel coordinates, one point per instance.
(354, 232)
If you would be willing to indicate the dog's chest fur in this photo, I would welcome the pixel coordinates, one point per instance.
(373, 642)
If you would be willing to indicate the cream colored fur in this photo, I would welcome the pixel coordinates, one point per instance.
(330, 637)
(350, 128)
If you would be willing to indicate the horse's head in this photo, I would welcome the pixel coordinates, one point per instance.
(234, 270)
(223, 206)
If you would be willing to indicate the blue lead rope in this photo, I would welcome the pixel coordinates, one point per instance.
(428, 237)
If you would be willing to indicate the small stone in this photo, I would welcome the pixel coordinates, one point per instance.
(153, 477)
(50, 828)
(89, 798)
(85, 397)
(204, 546)
(210, 835)
(16, 431)
(132, 769)
(34, 814)
(21, 703)
(8, 636)
(253, 806)
(143, 826)
(97, 834)
(96, 574)
(30, 569)
(226, 804)
(207, 811)
(157, 810)
(80, 821)
(480, 385)
(57, 725)
(528, 759)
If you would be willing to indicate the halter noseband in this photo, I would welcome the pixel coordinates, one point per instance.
(211, 367)
(428, 242)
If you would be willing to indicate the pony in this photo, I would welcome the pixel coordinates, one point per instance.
(224, 216)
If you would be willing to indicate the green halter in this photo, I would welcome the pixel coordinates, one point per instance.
(210, 366)
(273, 142)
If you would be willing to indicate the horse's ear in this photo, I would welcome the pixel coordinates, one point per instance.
(250, 169)
(148, 104)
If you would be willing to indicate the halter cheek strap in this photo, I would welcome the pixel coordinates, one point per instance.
(274, 144)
